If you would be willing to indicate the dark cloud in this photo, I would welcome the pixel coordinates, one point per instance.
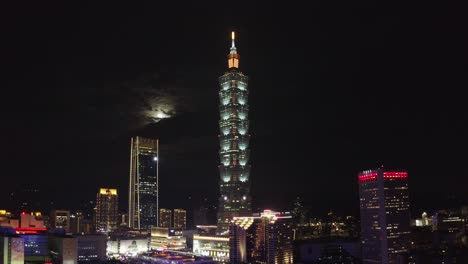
(111, 110)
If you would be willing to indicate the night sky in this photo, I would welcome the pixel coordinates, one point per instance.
(333, 90)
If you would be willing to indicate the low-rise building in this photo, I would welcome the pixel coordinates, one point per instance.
(167, 238)
(216, 247)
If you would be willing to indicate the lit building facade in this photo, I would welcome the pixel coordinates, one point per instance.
(63, 249)
(165, 217)
(174, 257)
(91, 248)
(36, 248)
(234, 169)
(216, 247)
(5, 219)
(60, 219)
(180, 218)
(11, 250)
(79, 224)
(385, 215)
(143, 202)
(267, 238)
(106, 210)
(34, 220)
(163, 238)
(127, 245)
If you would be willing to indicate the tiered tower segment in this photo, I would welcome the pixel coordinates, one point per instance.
(234, 169)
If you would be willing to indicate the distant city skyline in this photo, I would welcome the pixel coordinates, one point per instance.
(335, 90)
(340, 138)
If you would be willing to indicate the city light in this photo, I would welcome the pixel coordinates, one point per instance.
(317, 119)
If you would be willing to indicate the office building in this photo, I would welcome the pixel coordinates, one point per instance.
(106, 210)
(451, 224)
(60, 219)
(385, 215)
(165, 217)
(91, 248)
(63, 249)
(264, 238)
(6, 220)
(77, 222)
(143, 202)
(343, 250)
(31, 220)
(180, 218)
(234, 139)
(36, 246)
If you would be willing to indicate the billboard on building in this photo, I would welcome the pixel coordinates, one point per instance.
(112, 247)
(133, 246)
(17, 250)
(70, 254)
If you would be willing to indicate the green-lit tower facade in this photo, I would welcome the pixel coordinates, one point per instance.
(234, 138)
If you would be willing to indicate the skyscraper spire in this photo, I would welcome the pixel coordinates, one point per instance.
(233, 57)
(233, 46)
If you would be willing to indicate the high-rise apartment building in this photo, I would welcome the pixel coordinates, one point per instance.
(385, 215)
(265, 238)
(180, 218)
(234, 169)
(165, 217)
(106, 210)
(143, 202)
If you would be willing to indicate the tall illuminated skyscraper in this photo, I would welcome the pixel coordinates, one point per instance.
(234, 144)
(143, 201)
(385, 215)
(106, 209)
